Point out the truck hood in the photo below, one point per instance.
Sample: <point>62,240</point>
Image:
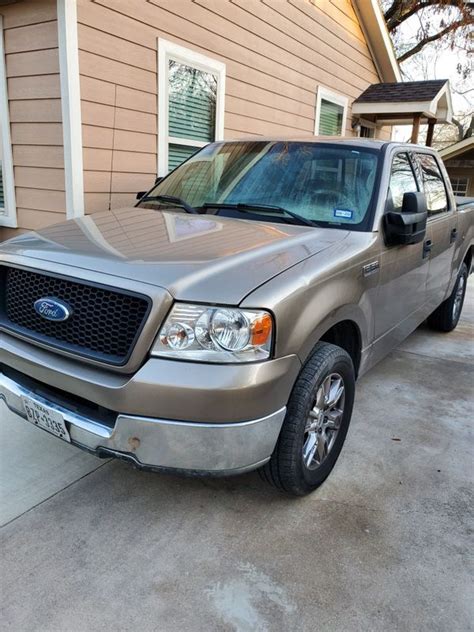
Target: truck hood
<point>196,258</point>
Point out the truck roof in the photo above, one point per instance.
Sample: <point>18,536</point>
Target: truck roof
<point>360,142</point>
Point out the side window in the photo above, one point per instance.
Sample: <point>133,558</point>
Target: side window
<point>402,180</point>
<point>433,184</point>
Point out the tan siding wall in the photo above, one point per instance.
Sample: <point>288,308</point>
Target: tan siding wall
<point>276,53</point>
<point>32,62</point>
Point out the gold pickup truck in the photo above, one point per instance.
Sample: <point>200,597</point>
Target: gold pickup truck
<point>219,325</point>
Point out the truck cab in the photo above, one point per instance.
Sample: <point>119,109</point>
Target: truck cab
<point>219,326</point>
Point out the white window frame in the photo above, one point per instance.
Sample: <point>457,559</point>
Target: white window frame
<point>170,51</point>
<point>454,184</point>
<point>8,215</point>
<point>333,97</point>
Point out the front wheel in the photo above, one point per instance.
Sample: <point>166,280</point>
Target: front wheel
<point>316,423</point>
<point>446,316</point>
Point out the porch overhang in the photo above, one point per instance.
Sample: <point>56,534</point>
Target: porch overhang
<point>406,103</point>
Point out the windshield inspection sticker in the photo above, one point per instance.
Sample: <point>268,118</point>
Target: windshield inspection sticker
<point>343,212</point>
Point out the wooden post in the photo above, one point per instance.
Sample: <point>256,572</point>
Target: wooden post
<point>429,135</point>
<point>416,128</point>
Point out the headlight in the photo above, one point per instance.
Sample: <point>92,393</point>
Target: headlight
<point>215,334</point>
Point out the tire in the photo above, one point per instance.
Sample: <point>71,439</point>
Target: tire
<point>446,316</point>
<point>289,469</point>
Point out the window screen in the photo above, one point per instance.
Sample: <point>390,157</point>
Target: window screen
<point>433,184</point>
<point>330,118</point>
<point>402,180</point>
<point>178,154</point>
<point>191,110</point>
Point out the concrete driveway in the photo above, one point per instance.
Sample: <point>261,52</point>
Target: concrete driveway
<point>384,544</point>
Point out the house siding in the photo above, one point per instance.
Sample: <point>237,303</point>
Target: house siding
<point>32,65</point>
<point>276,52</point>
<point>461,172</point>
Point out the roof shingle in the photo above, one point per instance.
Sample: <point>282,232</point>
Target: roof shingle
<point>399,92</point>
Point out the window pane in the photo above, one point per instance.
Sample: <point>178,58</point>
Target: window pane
<point>433,184</point>
<point>367,132</point>
<point>330,118</point>
<point>178,154</point>
<point>192,103</point>
<point>402,180</point>
<point>460,186</point>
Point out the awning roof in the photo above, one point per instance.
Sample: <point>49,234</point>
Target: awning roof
<point>397,103</point>
<point>460,148</point>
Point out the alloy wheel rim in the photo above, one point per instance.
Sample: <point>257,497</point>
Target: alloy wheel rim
<point>324,421</point>
<point>458,297</point>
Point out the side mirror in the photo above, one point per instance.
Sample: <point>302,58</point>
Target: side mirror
<point>409,225</point>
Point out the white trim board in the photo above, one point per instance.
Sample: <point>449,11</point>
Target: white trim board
<point>333,97</point>
<point>378,40</point>
<point>169,50</point>
<point>71,107</point>
<point>8,212</point>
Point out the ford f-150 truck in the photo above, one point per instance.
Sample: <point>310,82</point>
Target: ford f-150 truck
<point>220,324</point>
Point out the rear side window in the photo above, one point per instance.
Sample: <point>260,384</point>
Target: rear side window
<point>433,184</point>
<point>402,180</point>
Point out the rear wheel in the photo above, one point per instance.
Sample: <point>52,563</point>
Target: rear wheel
<point>446,316</point>
<point>316,423</point>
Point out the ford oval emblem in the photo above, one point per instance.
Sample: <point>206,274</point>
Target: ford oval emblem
<point>52,309</point>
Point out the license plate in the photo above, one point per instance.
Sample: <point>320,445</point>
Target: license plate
<point>44,417</point>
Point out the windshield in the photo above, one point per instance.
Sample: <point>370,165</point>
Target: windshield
<point>324,183</point>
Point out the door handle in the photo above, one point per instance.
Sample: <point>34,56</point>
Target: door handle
<point>454,235</point>
<point>427,246</point>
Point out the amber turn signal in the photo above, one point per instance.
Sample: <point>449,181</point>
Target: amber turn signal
<point>261,329</point>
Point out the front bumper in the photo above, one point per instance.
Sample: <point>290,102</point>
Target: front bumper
<point>161,444</point>
<point>164,388</point>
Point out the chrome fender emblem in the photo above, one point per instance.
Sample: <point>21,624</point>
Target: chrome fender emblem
<point>52,309</point>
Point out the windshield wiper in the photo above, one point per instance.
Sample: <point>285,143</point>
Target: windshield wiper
<point>247,207</point>
<point>171,199</point>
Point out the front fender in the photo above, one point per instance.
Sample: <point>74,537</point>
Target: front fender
<point>311,297</point>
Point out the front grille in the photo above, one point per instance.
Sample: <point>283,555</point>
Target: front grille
<point>104,325</point>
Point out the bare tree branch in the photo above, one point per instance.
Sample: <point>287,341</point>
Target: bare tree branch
<point>401,10</point>
<point>432,38</point>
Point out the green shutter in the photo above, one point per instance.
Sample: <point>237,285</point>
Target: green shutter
<point>2,196</point>
<point>330,118</point>
<point>178,154</point>
<point>192,103</point>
